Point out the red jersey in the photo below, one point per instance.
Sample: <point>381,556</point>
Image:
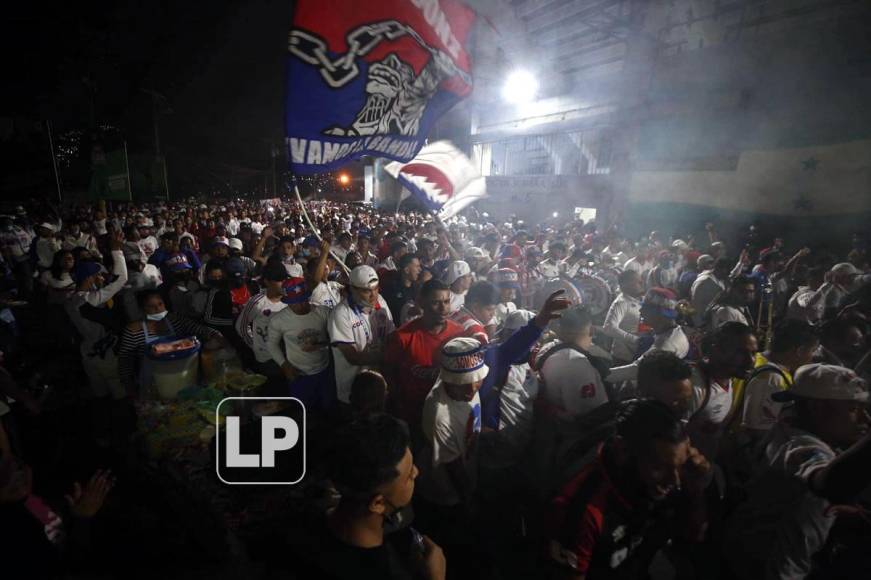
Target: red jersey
<point>412,355</point>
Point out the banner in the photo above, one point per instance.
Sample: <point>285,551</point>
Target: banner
<point>110,178</point>
<point>370,78</point>
<point>442,177</point>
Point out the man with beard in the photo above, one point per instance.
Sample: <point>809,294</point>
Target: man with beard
<point>729,354</point>
<point>413,351</point>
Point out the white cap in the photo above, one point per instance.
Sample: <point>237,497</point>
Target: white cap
<point>705,262</point>
<point>845,269</point>
<point>221,240</point>
<point>48,226</point>
<point>364,277</point>
<point>475,252</point>
<point>462,362</point>
<point>456,270</point>
<point>680,245</point>
<point>828,382</point>
<point>236,244</point>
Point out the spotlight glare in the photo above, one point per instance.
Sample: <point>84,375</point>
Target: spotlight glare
<point>520,87</point>
<point>344,179</point>
<point>556,214</point>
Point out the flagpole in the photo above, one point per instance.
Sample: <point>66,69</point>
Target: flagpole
<point>127,166</point>
<point>54,162</point>
<point>165,180</point>
<point>315,230</point>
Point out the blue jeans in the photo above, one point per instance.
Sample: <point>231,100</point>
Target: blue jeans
<point>317,392</point>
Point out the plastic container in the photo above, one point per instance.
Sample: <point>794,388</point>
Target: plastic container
<point>175,370</point>
<point>217,363</point>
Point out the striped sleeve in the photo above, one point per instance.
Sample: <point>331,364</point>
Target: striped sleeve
<point>187,327</point>
<point>132,343</point>
<point>219,309</point>
<point>245,320</point>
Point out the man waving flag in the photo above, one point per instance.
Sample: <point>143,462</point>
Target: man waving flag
<point>370,78</point>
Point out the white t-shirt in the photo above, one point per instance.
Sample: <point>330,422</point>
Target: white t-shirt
<point>636,265</point>
<point>457,301</point>
<point>451,430</point>
<point>305,339</point>
<point>293,269</point>
<point>503,309</point>
<point>673,340</point>
<point>704,290</point>
<point>621,324</point>
<point>783,524</point>
<point>361,328</point>
<point>45,251</point>
<point>760,412</point>
<point>516,400</point>
<point>551,269</point>
<point>706,426</point>
<point>720,315</point>
<point>571,382</point>
<point>252,324</point>
<point>327,294</point>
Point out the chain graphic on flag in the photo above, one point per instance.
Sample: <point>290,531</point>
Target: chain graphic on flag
<point>371,78</point>
<point>395,97</point>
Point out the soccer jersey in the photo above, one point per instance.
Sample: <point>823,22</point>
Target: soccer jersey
<point>451,430</point>
<point>361,327</point>
<point>412,356</point>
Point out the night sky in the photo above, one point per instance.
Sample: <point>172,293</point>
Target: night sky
<point>219,64</point>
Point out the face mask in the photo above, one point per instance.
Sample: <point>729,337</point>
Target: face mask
<point>157,317</point>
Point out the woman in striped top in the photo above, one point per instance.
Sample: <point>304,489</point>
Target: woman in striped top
<point>158,323</point>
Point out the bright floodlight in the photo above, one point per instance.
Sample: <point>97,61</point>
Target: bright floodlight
<point>520,87</point>
<point>344,179</point>
<point>556,214</point>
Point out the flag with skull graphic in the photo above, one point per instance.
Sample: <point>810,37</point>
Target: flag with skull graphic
<point>442,177</point>
<point>370,78</point>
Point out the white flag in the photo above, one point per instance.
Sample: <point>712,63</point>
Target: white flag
<point>442,177</point>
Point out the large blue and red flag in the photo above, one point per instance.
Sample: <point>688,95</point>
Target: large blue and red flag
<point>370,78</point>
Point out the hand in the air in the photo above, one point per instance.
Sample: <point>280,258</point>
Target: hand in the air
<point>85,503</point>
<point>555,303</point>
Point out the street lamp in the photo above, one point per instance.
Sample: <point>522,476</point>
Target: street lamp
<point>520,87</point>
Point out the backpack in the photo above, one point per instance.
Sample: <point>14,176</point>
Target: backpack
<point>740,392</point>
<point>571,441</point>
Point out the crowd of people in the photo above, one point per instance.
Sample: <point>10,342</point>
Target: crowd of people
<point>494,400</point>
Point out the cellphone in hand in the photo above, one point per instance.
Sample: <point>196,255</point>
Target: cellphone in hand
<point>417,540</point>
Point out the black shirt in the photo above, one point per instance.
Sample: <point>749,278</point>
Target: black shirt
<point>318,554</point>
<point>397,295</point>
<point>599,531</point>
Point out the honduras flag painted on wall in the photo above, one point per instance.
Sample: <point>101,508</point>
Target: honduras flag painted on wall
<point>370,78</point>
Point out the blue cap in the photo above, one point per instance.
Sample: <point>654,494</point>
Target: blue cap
<point>85,270</point>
